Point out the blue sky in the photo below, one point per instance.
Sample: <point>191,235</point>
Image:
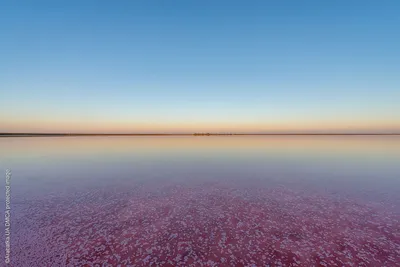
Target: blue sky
<point>145,65</point>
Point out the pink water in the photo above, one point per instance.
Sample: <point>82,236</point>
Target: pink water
<point>256,209</point>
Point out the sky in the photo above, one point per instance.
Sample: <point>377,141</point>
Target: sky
<point>200,66</point>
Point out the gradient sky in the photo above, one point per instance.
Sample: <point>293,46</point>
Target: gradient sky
<point>184,66</point>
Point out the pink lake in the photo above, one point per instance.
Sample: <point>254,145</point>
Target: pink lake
<point>203,201</point>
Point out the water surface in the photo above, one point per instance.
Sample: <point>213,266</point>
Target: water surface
<point>204,201</point>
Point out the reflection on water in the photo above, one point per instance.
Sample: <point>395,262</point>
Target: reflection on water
<point>204,201</point>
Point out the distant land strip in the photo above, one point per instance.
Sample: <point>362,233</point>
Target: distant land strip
<point>175,134</point>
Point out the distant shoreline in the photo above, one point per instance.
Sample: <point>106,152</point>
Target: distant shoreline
<point>193,134</point>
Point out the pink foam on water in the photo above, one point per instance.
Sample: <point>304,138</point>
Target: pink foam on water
<point>204,225</point>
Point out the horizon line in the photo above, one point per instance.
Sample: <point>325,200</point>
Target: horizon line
<point>4,134</point>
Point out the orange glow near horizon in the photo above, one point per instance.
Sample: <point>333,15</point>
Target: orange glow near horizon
<point>300,126</point>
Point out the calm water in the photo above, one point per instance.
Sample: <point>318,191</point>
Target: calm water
<point>203,201</point>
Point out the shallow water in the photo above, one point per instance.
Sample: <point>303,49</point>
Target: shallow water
<point>203,201</point>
